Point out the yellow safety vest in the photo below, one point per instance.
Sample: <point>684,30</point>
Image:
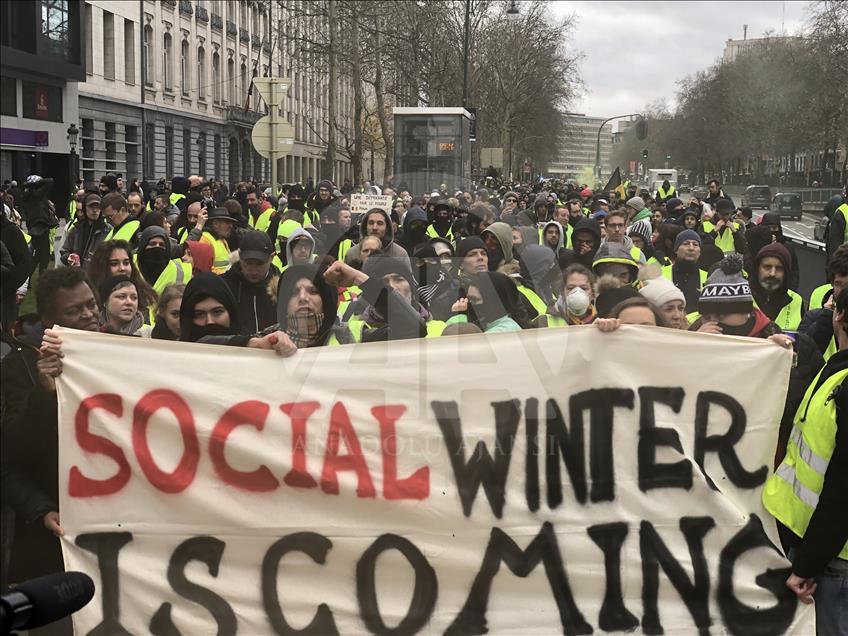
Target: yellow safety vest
<point>432,233</point>
<point>831,349</point>
<point>221,253</point>
<point>344,247</point>
<point>724,241</point>
<point>792,493</point>
<point>175,197</point>
<point>535,301</point>
<point>182,235</point>
<point>556,321</point>
<point>262,222</point>
<point>789,316</point>
<point>286,228</point>
<point>357,328</point>
<point>668,274</point>
<point>843,209</point>
<point>175,271</point>
<point>817,297</point>
<point>126,232</point>
<point>666,195</point>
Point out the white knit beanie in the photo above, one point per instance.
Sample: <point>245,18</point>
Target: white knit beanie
<point>659,291</point>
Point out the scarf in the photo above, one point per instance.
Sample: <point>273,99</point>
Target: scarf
<point>303,327</point>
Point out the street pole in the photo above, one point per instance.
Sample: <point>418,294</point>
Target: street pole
<point>274,108</point>
<point>598,146</point>
<point>465,47</point>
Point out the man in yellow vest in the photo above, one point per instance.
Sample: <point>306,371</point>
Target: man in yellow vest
<point>155,263</point>
<point>259,210</point>
<point>684,271</point>
<point>770,289</point>
<point>818,323</point>
<point>837,228</point>
<point>115,210</point>
<point>217,230</point>
<point>725,232</point>
<point>808,493</point>
<point>665,192</point>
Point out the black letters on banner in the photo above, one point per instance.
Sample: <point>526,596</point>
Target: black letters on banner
<point>501,548</point>
<point>207,550</point>
<point>614,616</point>
<point>654,552</point>
<point>601,404</point>
<point>106,546</point>
<point>423,596</point>
<point>480,467</point>
<point>569,442</point>
<point>742,619</point>
<point>315,546</point>
<point>531,464</point>
<point>723,444</point>
<point>652,474</point>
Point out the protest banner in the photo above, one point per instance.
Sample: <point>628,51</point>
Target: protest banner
<point>539,482</point>
<point>361,203</point>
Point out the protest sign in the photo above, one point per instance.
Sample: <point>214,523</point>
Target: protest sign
<point>538,482</point>
<point>361,203</point>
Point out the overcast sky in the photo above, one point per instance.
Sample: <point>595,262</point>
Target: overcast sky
<point>635,52</point>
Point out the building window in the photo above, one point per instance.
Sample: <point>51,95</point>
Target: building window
<point>201,154</point>
<point>129,52</point>
<point>111,147</point>
<point>217,156</point>
<point>231,81</point>
<point>169,151</point>
<point>243,17</point>
<point>56,29</point>
<point>87,155</point>
<point>255,21</point>
<point>42,101</point>
<point>9,96</point>
<point>149,151</point>
<point>201,74</point>
<point>131,138</point>
<point>147,51</point>
<point>216,78</point>
<point>89,48</point>
<point>186,151</point>
<point>243,83</point>
<point>185,72</point>
<point>166,62</point>
<point>108,45</point>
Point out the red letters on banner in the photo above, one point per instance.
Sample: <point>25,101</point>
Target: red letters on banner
<point>342,451</point>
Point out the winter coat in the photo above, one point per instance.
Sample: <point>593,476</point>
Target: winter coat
<point>82,239</point>
<point>13,239</point>
<point>256,309</point>
<point>390,248</point>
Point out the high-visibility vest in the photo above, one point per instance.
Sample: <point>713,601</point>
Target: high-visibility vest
<point>182,235</point>
<point>792,493</point>
<point>125,233</point>
<point>817,297</point>
<point>175,271</point>
<point>724,241</point>
<point>789,316</point>
<point>663,194</point>
<point>221,253</point>
<point>556,321</point>
<point>831,349</point>
<point>668,274</point>
<point>286,228</point>
<point>175,197</point>
<point>535,300</point>
<point>357,328</point>
<point>843,210</point>
<point>344,247</point>
<point>262,222</point>
<point>433,233</point>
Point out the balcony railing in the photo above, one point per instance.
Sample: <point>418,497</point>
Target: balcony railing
<point>217,21</point>
<point>231,29</point>
<point>201,15</point>
<point>169,3</point>
<point>186,8</point>
<point>244,36</point>
<point>239,115</point>
<point>255,41</point>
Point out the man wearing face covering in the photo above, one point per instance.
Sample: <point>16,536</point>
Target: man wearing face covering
<point>306,309</point>
<point>209,315</point>
<point>438,290</point>
<point>539,281</point>
<point>491,303</point>
<point>414,229</point>
<point>155,263</point>
<point>442,220</point>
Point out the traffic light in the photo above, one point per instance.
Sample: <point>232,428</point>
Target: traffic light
<point>645,153</point>
<point>641,129</point>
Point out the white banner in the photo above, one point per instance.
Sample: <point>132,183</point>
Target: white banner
<point>540,482</point>
<point>361,203</point>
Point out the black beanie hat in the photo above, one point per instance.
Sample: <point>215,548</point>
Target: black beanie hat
<point>109,285</point>
<point>468,244</point>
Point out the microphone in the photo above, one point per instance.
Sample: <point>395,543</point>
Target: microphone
<point>40,601</point>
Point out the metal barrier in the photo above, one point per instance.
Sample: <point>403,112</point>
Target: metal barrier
<point>812,260</point>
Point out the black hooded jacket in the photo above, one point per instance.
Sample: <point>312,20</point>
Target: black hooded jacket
<point>329,300</point>
<point>256,309</point>
<point>592,226</point>
<point>773,218</point>
<point>208,285</point>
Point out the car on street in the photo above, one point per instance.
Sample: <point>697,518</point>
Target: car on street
<point>757,196</point>
<point>685,189</point>
<point>700,192</point>
<point>787,204</point>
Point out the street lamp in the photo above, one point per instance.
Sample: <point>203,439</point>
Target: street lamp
<point>73,132</point>
<point>598,146</point>
<point>512,10</point>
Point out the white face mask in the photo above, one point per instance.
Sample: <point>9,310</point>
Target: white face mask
<point>577,301</point>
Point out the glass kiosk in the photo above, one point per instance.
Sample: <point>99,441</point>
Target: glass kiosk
<point>432,147</point>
